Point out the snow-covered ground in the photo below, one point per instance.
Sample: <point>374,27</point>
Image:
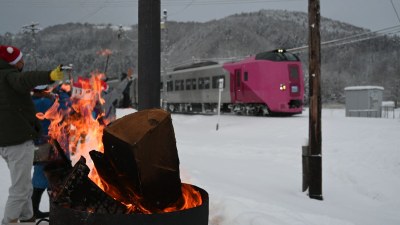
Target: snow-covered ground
<point>251,168</point>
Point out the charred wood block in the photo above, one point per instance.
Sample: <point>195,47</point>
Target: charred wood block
<point>142,150</point>
<point>109,177</point>
<point>58,169</point>
<point>80,193</point>
<point>56,172</point>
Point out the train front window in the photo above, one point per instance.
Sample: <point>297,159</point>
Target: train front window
<point>291,57</point>
<point>277,56</point>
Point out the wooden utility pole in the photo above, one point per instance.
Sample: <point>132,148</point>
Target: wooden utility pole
<point>315,157</point>
<point>149,54</point>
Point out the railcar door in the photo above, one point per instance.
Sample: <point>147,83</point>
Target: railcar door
<point>238,85</point>
<point>294,77</point>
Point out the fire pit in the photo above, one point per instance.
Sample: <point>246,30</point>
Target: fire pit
<point>60,215</point>
<point>134,181</point>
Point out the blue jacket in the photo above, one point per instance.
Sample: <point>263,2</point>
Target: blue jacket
<point>42,104</point>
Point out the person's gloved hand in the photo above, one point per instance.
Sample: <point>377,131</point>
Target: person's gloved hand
<point>56,74</point>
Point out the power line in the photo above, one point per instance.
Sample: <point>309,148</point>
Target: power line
<point>395,10</point>
<point>184,8</point>
<point>354,38</point>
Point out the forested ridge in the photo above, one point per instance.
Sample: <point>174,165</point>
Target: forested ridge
<point>374,61</point>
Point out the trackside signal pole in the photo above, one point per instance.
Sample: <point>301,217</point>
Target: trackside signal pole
<point>314,138</point>
<point>149,54</point>
<point>220,89</point>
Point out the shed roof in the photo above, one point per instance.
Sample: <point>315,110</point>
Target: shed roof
<point>356,88</point>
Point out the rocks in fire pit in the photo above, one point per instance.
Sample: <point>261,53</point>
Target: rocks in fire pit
<point>140,161</point>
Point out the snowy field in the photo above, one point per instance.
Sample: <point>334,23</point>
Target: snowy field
<point>251,168</point>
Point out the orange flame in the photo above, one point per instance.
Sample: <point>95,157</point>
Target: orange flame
<point>190,198</point>
<point>79,132</point>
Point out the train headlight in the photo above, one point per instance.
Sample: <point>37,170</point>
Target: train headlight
<point>282,87</point>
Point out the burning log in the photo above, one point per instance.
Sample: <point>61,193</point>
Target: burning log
<point>140,149</point>
<point>80,193</point>
<point>57,170</point>
<point>109,177</point>
<point>137,173</point>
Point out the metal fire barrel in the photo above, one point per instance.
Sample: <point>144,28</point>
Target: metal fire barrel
<point>60,215</point>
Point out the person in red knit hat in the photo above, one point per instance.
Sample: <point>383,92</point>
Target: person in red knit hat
<point>18,128</point>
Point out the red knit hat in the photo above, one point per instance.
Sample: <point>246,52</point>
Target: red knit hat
<point>10,54</point>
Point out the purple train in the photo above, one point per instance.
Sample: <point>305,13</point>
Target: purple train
<point>269,83</point>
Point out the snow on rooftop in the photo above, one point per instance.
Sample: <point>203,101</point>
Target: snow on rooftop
<point>356,88</point>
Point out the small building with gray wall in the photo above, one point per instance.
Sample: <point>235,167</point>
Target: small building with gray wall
<point>364,101</point>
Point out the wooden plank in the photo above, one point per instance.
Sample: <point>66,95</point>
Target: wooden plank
<point>142,150</point>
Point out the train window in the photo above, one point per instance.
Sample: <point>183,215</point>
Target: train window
<point>194,84</point>
<point>201,83</point>
<point>246,76</point>
<point>170,85</point>
<point>293,72</point>
<point>215,81</point>
<point>188,84</point>
<point>206,83</point>
<point>179,86</point>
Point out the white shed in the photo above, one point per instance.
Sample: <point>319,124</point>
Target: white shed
<point>364,101</point>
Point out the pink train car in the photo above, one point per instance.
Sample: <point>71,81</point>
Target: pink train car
<point>269,83</point>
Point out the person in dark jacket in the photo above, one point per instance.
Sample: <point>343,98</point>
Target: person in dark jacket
<point>111,97</point>
<point>18,128</point>
<point>126,101</point>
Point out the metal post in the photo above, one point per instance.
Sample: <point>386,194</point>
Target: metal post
<point>106,66</point>
<point>221,88</point>
<point>164,58</point>
<point>149,54</point>
<point>164,27</point>
<point>315,159</point>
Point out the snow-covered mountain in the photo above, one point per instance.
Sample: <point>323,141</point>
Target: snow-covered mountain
<point>373,61</point>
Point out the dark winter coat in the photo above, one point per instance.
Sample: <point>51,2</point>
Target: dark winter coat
<point>18,122</point>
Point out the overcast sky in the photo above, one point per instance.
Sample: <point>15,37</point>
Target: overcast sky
<point>371,14</point>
